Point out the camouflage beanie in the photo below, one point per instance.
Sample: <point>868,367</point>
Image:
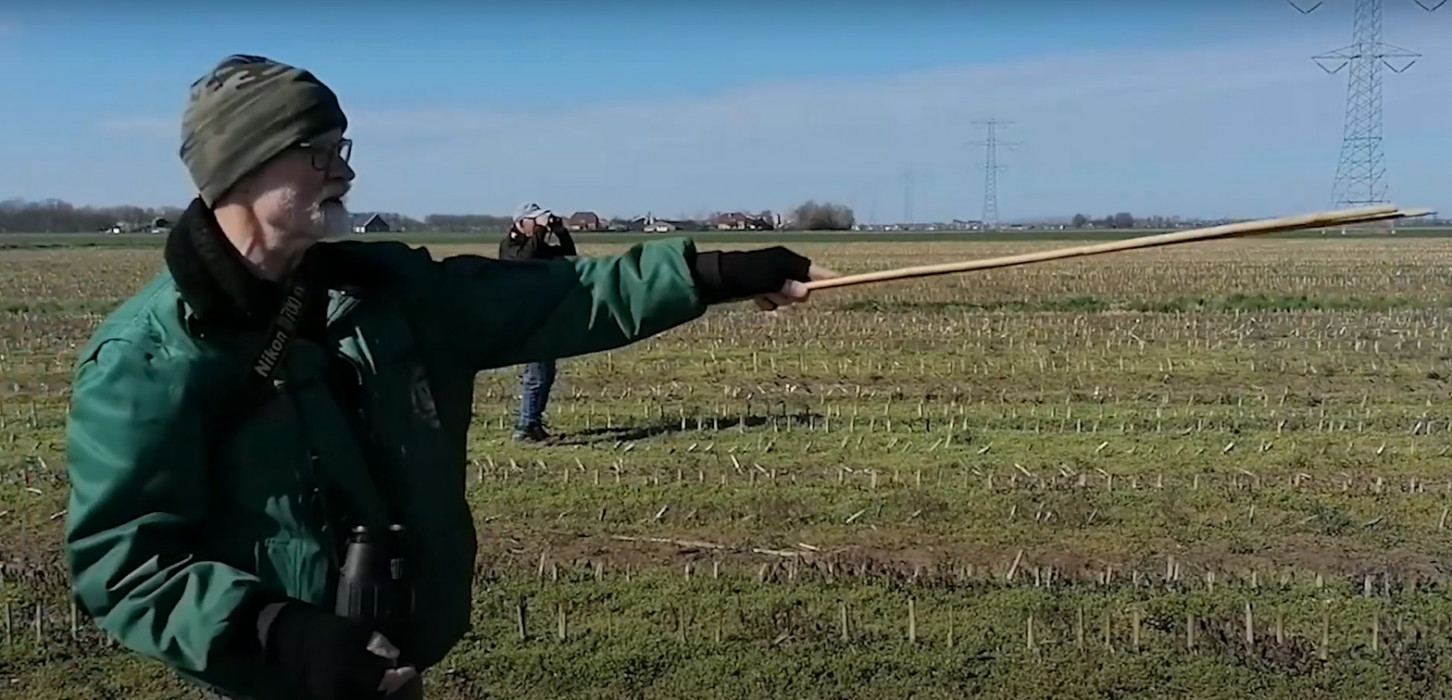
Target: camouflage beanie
<point>244,112</point>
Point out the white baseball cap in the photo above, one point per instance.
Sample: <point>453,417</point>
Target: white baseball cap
<point>530,210</point>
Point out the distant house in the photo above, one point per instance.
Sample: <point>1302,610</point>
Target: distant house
<point>584,221</point>
<point>370,223</point>
<point>741,221</point>
<point>650,224</point>
<point>733,221</point>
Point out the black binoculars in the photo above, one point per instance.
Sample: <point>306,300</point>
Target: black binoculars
<point>375,587</point>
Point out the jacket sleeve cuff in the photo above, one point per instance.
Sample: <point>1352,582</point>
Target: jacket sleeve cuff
<point>254,620</point>
<point>706,272</point>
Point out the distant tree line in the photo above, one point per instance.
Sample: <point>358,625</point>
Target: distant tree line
<point>59,216</point>
<point>823,216</point>
<point>1126,220</point>
<point>1121,219</point>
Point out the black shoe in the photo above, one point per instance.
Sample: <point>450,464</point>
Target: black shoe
<point>534,433</point>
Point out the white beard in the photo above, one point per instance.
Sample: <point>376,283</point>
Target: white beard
<point>329,219</point>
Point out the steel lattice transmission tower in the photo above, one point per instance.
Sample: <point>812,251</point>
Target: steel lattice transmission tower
<point>991,169</point>
<point>1361,169</point>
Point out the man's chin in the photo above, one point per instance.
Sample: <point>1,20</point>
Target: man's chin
<point>336,221</point>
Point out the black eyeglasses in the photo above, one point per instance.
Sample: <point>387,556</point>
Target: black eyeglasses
<point>324,153</point>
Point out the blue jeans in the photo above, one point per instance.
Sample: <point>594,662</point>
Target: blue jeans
<point>539,378</point>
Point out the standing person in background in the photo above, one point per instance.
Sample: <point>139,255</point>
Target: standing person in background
<point>528,239</point>
<point>529,236</point>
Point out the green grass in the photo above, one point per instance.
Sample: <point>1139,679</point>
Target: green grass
<point>1123,454</point>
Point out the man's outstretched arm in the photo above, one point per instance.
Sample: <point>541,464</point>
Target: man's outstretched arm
<point>497,314</point>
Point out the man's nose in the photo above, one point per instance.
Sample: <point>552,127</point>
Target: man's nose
<point>343,170</point>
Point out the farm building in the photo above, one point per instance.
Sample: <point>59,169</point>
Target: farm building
<point>650,224</point>
<point>740,221</point>
<point>370,223</point>
<point>584,221</point>
<point>155,225</point>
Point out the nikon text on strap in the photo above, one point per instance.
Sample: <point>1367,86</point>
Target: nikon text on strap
<point>280,334</point>
<point>264,370</point>
<point>252,386</point>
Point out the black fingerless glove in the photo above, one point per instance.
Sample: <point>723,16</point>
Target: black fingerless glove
<point>324,653</point>
<point>723,276</point>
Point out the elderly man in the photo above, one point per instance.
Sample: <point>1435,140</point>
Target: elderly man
<point>270,404</point>
<point>528,239</point>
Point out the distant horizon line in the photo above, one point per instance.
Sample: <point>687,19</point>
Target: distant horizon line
<point>1046,219</point>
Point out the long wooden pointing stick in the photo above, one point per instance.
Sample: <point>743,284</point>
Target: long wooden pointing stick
<point>1326,219</point>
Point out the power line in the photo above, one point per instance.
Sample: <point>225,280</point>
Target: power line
<point>1361,168</point>
<point>991,169</point>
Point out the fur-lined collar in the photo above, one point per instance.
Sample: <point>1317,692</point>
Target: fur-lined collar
<point>218,286</point>
<point>212,276</point>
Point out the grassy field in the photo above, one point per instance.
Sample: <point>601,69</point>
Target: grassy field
<point>1210,471</point>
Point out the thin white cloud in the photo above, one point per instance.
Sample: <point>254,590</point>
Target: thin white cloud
<point>1040,83</point>
<point>1046,83</point>
<point>1095,123</point>
<point>1233,129</point>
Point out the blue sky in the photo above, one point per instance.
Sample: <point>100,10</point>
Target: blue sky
<point>1192,107</point>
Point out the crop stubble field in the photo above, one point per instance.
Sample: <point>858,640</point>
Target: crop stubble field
<point>1215,470</point>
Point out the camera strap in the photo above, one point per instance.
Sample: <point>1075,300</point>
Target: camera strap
<point>264,370</point>
<point>251,388</point>
<point>280,334</point>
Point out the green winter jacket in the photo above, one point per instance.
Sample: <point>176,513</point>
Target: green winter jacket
<point>166,549</point>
